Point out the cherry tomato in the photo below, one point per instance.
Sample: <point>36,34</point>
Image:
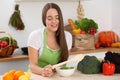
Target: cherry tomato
<point>82,32</point>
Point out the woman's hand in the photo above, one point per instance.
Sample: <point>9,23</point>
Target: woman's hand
<point>47,71</point>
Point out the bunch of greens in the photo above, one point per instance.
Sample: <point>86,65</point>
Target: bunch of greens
<point>66,67</point>
<point>85,24</point>
<point>15,20</point>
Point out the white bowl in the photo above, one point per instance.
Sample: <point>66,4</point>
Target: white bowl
<point>65,72</point>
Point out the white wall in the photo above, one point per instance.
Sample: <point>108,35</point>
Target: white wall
<point>99,10</point>
<point>116,16</point>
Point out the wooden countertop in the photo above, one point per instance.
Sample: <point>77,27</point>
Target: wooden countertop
<point>76,76</point>
<point>74,51</point>
<point>14,57</point>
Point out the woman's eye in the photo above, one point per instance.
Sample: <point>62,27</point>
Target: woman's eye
<point>49,19</point>
<point>57,18</point>
<point>53,19</point>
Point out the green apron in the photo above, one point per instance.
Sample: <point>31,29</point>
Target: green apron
<point>48,56</point>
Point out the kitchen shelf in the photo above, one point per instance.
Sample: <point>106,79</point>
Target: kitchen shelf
<point>95,50</point>
<point>74,51</point>
<point>15,57</point>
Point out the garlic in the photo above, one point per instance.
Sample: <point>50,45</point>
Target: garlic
<point>80,11</point>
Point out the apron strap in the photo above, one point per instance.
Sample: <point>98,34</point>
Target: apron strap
<point>45,37</point>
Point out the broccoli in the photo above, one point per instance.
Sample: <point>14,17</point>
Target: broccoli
<point>89,65</point>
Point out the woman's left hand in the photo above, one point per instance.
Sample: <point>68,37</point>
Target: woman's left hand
<point>48,71</point>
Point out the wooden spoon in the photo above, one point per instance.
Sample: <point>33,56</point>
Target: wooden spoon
<point>76,58</point>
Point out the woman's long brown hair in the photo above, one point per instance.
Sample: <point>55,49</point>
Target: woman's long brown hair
<point>60,35</point>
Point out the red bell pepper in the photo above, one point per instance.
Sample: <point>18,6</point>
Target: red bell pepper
<point>108,68</point>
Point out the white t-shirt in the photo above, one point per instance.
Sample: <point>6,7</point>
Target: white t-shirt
<point>36,40</point>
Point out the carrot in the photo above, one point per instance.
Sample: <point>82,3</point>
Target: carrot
<point>71,23</point>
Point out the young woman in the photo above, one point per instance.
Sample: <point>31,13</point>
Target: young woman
<point>50,44</point>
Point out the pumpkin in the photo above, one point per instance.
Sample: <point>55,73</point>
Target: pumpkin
<point>107,37</point>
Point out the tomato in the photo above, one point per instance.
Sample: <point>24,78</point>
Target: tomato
<point>82,32</point>
<point>108,44</point>
<point>92,31</point>
<point>103,45</point>
<point>108,68</point>
<point>1,45</point>
<point>5,43</point>
<point>97,45</point>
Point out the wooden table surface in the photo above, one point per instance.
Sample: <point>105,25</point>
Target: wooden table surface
<point>76,76</point>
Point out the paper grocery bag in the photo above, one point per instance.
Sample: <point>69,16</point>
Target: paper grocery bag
<point>84,41</point>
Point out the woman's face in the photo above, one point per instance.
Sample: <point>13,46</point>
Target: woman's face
<point>52,20</point>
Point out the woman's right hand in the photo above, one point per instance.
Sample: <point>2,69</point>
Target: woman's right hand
<point>47,71</point>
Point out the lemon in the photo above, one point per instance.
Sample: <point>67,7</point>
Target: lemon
<point>27,74</point>
<point>23,77</point>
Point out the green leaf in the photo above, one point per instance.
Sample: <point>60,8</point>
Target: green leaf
<point>85,24</point>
